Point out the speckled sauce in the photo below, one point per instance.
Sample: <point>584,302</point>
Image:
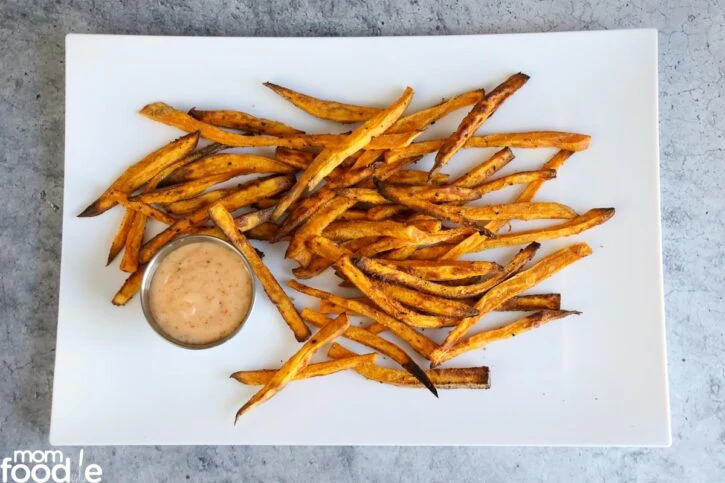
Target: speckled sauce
<point>200,293</point>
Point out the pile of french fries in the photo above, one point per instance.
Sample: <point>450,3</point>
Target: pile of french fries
<point>353,203</point>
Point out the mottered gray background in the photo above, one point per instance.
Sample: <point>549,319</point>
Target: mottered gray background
<point>692,126</point>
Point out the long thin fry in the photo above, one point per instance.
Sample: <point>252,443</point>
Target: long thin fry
<point>294,157</point>
<point>224,220</point>
<point>129,262</point>
<point>516,211</point>
<point>323,109</point>
<point>515,178</point>
<point>435,270</point>
<point>262,376</point>
<point>119,240</point>
<point>244,122</point>
<point>296,363</point>
<point>229,164</point>
<point>160,178</point>
<point>484,170</point>
<point>184,207</point>
<point>183,191</point>
<point>304,210</point>
<point>428,303</point>
<point>147,210</point>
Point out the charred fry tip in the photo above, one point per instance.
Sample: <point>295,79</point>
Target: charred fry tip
<point>420,374</point>
<point>92,210</point>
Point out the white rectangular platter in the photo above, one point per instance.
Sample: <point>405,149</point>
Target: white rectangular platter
<point>596,379</point>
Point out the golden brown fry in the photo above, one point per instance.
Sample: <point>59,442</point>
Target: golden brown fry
<point>384,244</point>
<point>556,162</point>
<point>486,169</point>
<point>262,376</point>
<point>428,303</point>
<point>419,342</point>
<point>384,212</point>
<point>516,178</point>
<point>130,287</point>
<point>434,270</point>
<point>513,329</point>
<point>160,177</point>
<point>377,294</point>
<point>244,122</point>
<point>399,196</point>
<point>516,211</point>
<point>224,220</point>
<point>346,230</point>
<point>448,378</point>
<point>147,210</point>
<point>366,159</point>
<point>381,345</point>
<point>476,117</point>
<point>352,215</point>
<point>296,363</point>
<point>314,226</point>
<point>323,109</point>
<point>230,165</point>
<point>129,262</point>
<point>464,246</point>
<point>246,195</point>
<point>432,252</point>
<point>421,119</point>
<point>534,139</point>
<point>431,225</point>
<point>179,192</point>
<point>411,177</point>
<point>265,232</point>
<point>138,174</point>
<point>294,157</point>
<point>119,240</point>
<point>304,210</point>
<point>438,194</point>
<point>184,207</point>
<point>571,227</point>
<point>525,303</point>
<point>320,263</point>
<point>329,159</point>
<point>520,282</point>
<point>165,114</point>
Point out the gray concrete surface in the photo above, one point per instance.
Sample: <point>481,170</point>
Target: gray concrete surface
<point>692,109</point>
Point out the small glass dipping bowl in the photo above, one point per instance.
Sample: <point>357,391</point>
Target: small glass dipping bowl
<point>154,264</point>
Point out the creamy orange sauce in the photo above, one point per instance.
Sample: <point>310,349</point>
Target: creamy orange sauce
<point>200,293</point>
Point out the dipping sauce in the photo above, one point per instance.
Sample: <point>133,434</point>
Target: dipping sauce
<point>200,293</point>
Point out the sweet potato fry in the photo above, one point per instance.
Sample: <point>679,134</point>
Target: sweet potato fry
<point>184,207</point>
<point>243,122</point>
<point>431,225</point>
<point>513,329</point>
<point>224,220</point>
<point>461,248</point>
<point>160,178</point>
<point>147,210</point>
<point>431,252</point>
<point>444,270</point>
<point>516,211</point>
<point>229,164</point>
<point>399,196</point>
<point>525,303</point>
<point>571,227</point>
<point>448,378</point>
<point>320,262</point>
<point>294,157</point>
<point>265,232</point>
<point>485,170</point>
<point>385,212</point>
<point>244,196</point>
<point>384,244</point>
<point>374,342</point>
<point>329,159</point>
<point>411,177</point>
<point>483,109</point>
<point>556,162</point>
<point>323,109</point>
<point>520,282</point>
<point>438,194</point>
<point>521,177</point>
<point>532,140</point>
<point>296,363</point>
<point>183,191</point>
<point>346,230</point>
<point>304,210</point>
<point>119,240</point>
<point>421,119</point>
<point>129,262</point>
<point>419,342</point>
<point>428,303</point>
<point>352,215</point>
<point>130,287</point>
<point>262,376</point>
<point>138,174</point>
<point>401,253</point>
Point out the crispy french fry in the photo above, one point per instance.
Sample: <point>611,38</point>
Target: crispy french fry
<point>421,119</point>
<point>182,191</point>
<point>461,248</point>
<point>402,253</point>
<point>323,109</point>
<point>246,195</point>
<point>129,262</point>
<point>160,177</point>
<point>346,230</point>
<point>262,376</point>
<point>366,159</point>
<point>448,378</point>
<point>119,240</point>
<point>516,211</point>
<point>352,215</point>
<point>483,109</point>
<point>430,225</point>
<point>147,210</point>
<point>521,177</point>
<point>381,345</point>
<point>224,220</point>
<point>419,342</point>
<point>531,140</point>
<point>434,252</point>
<point>184,207</point>
<point>520,282</point>
<point>265,232</point>
<point>399,196</point>
<point>428,303</point>
<point>243,122</point>
<point>520,326</point>
<point>229,164</point>
<point>304,210</point>
<point>130,287</point>
<point>412,177</point>
<point>324,257</point>
<point>361,176</point>
<point>329,159</point>
<point>556,162</point>
<point>385,212</point>
<point>438,194</point>
<point>486,169</point>
<point>296,363</point>
<point>583,222</point>
<point>138,174</point>
<point>294,157</point>
<point>435,270</point>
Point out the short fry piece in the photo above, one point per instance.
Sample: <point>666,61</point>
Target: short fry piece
<point>244,122</point>
<point>129,262</point>
<point>331,110</point>
<point>525,303</point>
<point>224,220</point>
<point>262,376</point>
<point>130,287</point>
<point>296,363</point>
<point>449,378</point>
